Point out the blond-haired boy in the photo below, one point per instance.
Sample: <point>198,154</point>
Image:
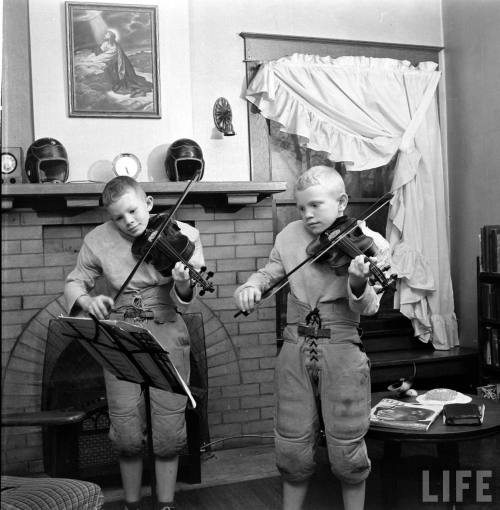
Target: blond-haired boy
<point>322,366</point>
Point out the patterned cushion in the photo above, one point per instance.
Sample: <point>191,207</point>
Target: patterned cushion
<point>20,493</point>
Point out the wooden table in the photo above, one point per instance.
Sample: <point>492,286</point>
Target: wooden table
<point>446,438</point>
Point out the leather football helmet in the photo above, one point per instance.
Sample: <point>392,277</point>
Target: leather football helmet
<point>184,161</point>
<point>46,161</point>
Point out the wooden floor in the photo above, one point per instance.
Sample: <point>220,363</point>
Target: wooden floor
<point>254,492</point>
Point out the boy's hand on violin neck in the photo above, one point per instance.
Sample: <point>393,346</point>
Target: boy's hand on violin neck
<point>247,298</point>
<point>182,280</point>
<point>99,306</point>
<point>180,273</point>
<point>359,272</point>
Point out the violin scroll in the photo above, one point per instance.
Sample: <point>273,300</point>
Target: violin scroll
<point>210,286</point>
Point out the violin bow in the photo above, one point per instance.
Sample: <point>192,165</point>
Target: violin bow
<point>157,236</point>
<point>274,289</point>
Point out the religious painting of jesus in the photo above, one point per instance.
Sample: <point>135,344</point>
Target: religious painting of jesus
<point>113,62</point>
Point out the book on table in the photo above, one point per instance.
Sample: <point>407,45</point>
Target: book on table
<point>394,413</point>
<point>463,414</point>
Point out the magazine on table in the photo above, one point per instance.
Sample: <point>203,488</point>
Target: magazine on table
<point>404,415</point>
<point>127,350</point>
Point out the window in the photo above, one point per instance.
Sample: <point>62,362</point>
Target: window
<point>279,156</point>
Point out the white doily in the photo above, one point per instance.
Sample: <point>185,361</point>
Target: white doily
<point>460,398</point>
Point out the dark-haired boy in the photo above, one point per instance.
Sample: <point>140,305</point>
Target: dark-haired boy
<point>158,302</point>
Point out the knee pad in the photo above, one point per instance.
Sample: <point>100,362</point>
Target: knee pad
<point>170,436</point>
<point>127,440</point>
<point>349,462</point>
<point>295,458</point>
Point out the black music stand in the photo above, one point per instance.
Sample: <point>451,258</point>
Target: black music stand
<point>132,354</point>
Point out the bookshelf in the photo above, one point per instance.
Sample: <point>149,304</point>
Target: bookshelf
<point>488,313</point>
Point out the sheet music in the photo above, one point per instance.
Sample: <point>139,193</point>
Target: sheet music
<point>103,349</point>
<point>126,350</point>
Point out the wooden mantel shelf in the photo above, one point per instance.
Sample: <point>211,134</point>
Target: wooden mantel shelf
<point>232,194</point>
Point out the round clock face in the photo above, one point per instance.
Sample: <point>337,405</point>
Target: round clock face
<point>9,163</point>
<point>127,164</point>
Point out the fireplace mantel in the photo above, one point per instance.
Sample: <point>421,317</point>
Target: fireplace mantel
<point>86,195</point>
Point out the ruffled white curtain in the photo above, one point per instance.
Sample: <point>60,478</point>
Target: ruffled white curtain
<point>362,111</point>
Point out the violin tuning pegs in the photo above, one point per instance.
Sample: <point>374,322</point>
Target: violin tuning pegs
<point>210,274</point>
<point>203,269</point>
<point>202,293</point>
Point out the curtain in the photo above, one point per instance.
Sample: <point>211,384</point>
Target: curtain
<point>363,111</point>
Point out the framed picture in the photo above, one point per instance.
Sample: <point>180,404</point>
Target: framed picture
<point>112,60</point>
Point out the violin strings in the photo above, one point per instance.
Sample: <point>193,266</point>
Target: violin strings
<point>275,288</point>
<point>193,273</point>
<point>172,211</point>
<point>373,267</point>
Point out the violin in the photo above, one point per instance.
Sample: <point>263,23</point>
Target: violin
<point>354,243</point>
<point>171,247</point>
<point>334,238</point>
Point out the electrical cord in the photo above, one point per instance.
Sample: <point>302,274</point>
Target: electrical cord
<point>207,445</point>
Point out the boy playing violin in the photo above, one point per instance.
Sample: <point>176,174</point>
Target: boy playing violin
<point>157,302</point>
<point>322,368</point>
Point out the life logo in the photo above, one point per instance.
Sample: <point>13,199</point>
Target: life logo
<point>452,486</point>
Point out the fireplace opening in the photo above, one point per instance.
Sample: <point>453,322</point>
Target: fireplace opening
<point>73,380</point>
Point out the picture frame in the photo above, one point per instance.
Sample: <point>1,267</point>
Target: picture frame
<point>112,60</point>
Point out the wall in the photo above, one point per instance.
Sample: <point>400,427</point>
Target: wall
<point>217,49</point>
<point>201,59</point>
<point>16,76</point>
<point>472,77</point>
<point>88,140</point>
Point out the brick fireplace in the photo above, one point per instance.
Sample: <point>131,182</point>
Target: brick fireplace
<point>38,251</point>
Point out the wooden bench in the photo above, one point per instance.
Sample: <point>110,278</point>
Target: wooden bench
<point>392,350</point>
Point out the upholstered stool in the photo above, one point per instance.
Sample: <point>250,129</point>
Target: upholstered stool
<point>23,493</point>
